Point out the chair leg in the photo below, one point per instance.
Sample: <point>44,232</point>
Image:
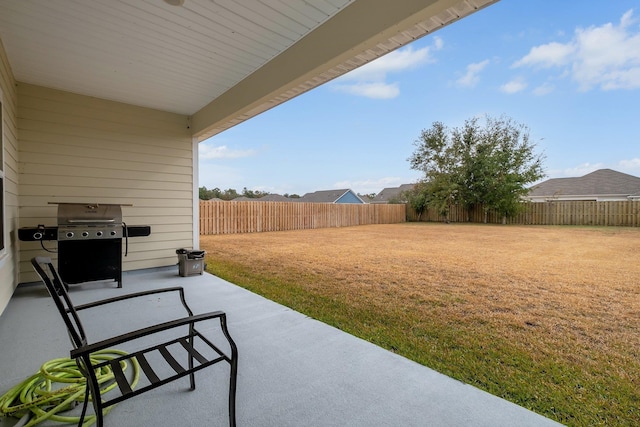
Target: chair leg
<point>192,377</point>
<point>84,405</point>
<point>233,374</point>
<point>232,388</point>
<point>97,407</point>
<point>94,387</point>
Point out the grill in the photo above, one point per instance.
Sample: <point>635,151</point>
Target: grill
<point>90,238</point>
<point>90,242</point>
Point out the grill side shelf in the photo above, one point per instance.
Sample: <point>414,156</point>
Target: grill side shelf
<point>138,230</point>
<point>33,234</point>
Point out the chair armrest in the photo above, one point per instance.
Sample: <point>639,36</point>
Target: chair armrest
<point>139,333</point>
<point>136,295</point>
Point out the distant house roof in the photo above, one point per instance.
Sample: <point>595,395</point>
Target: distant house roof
<point>367,198</point>
<point>331,196</point>
<point>243,199</point>
<point>392,193</point>
<point>274,198</point>
<point>600,185</point>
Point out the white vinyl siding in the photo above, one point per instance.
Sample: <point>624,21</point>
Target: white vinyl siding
<point>9,166</point>
<point>75,148</point>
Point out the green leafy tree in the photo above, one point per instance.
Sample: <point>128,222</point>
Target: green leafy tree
<point>418,198</point>
<point>205,194</point>
<point>229,194</point>
<point>439,156</point>
<point>488,164</point>
<point>253,194</point>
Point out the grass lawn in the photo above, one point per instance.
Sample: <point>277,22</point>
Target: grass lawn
<point>546,317</point>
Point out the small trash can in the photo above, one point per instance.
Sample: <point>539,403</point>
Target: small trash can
<point>190,262</point>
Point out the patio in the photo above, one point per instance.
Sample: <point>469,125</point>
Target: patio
<point>293,370</point>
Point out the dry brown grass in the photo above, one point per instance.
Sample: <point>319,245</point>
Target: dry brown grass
<point>562,296</point>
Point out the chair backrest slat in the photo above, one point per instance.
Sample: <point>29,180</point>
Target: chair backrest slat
<point>58,292</point>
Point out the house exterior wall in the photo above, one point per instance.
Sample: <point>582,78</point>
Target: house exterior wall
<point>349,197</point>
<point>9,259</point>
<point>76,148</point>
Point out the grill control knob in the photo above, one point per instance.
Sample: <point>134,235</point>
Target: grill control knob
<point>99,234</point>
<point>69,234</point>
<point>85,234</point>
<point>113,232</point>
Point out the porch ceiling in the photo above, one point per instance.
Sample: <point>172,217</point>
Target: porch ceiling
<point>218,61</point>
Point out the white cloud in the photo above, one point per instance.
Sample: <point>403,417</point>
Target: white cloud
<point>208,151</point>
<point>631,166</point>
<point>471,78</point>
<point>543,89</point>
<point>370,80</point>
<point>514,86</point>
<point>438,43</point>
<point>581,170</point>
<point>375,90</point>
<point>606,56</point>
<point>547,56</point>
<point>398,60</point>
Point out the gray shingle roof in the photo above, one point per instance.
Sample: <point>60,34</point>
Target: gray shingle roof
<point>600,182</point>
<point>391,193</point>
<point>274,198</point>
<point>326,196</point>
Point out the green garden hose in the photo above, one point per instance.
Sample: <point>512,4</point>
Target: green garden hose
<point>58,387</point>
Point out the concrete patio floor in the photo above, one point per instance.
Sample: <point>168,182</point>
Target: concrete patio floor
<point>293,370</point>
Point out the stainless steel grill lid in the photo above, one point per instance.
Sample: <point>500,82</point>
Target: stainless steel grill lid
<point>88,221</point>
<point>70,214</point>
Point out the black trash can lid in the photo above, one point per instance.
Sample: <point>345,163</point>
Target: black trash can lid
<point>196,254</point>
<point>191,254</point>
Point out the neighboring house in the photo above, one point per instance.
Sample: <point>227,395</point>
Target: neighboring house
<point>393,194</point>
<point>601,185</point>
<point>331,196</point>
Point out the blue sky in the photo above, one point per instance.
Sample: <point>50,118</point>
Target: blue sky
<point>569,70</point>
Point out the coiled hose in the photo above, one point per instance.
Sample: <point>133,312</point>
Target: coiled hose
<point>42,397</point>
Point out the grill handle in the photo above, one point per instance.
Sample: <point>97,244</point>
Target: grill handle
<point>90,221</point>
<point>126,238</point>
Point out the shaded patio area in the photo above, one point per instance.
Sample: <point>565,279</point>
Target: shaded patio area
<point>293,370</point>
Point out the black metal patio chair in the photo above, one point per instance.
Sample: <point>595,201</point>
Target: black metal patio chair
<point>197,351</point>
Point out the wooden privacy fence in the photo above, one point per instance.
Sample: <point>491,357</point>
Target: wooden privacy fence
<point>622,213</point>
<point>226,217</point>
